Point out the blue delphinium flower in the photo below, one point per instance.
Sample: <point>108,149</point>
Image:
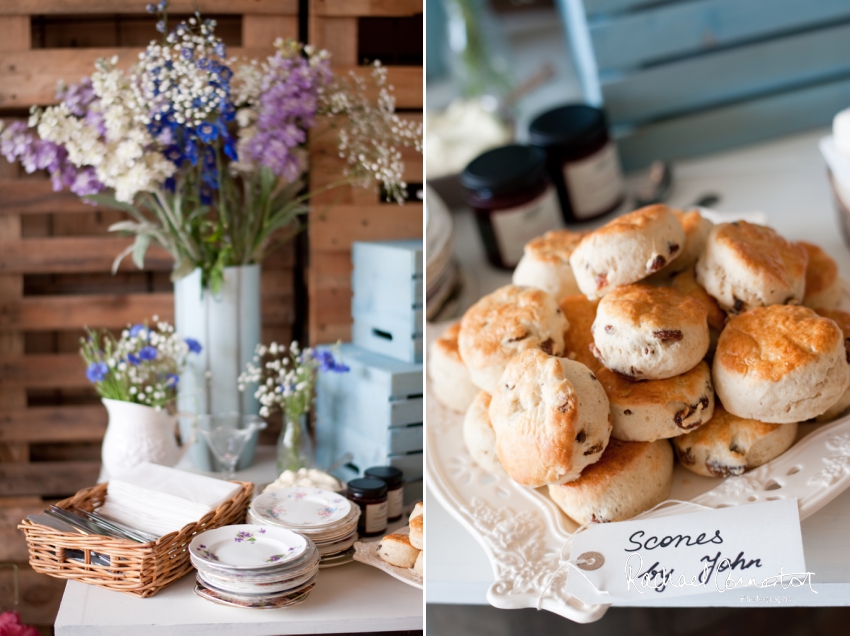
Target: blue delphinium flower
<point>150,8</point>
<point>148,353</point>
<point>194,345</point>
<point>207,132</point>
<point>96,371</point>
<point>137,330</point>
<point>172,380</point>
<point>133,359</point>
<point>160,26</point>
<point>162,4</point>
<point>328,364</point>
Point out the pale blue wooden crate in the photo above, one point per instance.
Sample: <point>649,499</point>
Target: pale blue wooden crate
<point>390,335</point>
<point>366,452</point>
<point>386,277</point>
<point>660,67</point>
<point>397,378</point>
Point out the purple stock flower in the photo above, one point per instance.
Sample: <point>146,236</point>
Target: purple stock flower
<point>97,371</point>
<point>148,353</point>
<point>78,97</point>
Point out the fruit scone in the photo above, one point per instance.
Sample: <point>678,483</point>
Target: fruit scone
<point>697,228</point>
<point>479,436</point>
<point>449,375</point>
<point>842,319</point>
<point>580,312</point>
<point>545,263</point>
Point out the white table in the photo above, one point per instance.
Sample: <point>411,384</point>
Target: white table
<point>785,179</point>
<point>349,598</point>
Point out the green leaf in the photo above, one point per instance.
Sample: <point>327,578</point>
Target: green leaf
<point>111,202</point>
<point>140,246</point>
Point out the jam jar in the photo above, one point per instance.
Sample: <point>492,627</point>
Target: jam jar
<point>394,479</point>
<point>581,159</point>
<point>371,496</point>
<point>513,200</point>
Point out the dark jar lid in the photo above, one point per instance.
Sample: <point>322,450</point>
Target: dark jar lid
<point>392,476</point>
<point>505,170</point>
<point>575,125</point>
<point>367,487</point>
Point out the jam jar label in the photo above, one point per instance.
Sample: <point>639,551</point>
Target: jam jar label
<point>514,227</point>
<point>395,502</point>
<point>376,517</point>
<point>595,183</point>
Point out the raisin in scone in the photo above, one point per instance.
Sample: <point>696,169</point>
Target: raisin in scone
<point>626,250</point>
<point>746,265</point>
<point>580,313</point>
<point>630,478</point>
<point>731,445</point>
<point>780,364</point>
<point>650,333</point>
<point>842,319</point>
<point>551,418</point>
<point>823,285</point>
<point>545,263</point>
<point>449,375</point>
<point>479,436</point>
<point>658,409</point>
<point>697,228</point>
<point>509,321</point>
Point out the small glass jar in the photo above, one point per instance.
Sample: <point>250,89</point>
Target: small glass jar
<point>394,479</point>
<point>581,159</point>
<point>513,201</point>
<point>371,496</point>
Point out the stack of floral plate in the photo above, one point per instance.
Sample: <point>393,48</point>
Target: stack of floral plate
<point>254,566</point>
<point>327,518</point>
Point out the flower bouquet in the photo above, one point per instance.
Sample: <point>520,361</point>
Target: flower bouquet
<point>137,376</point>
<point>286,380</point>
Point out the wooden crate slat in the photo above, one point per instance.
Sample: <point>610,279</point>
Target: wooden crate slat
<point>263,30</point>
<point>371,8</point>
<point>54,478</point>
<point>15,33</point>
<point>730,126</point>
<point>36,196</point>
<point>53,424</point>
<point>43,313</point>
<point>76,254</point>
<point>724,76</point>
<point>30,77</point>
<point>44,371</point>
<point>633,39</point>
<point>34,7</point>
<point>407,81</point>
<point>594,7</point>
<point>335,228</point>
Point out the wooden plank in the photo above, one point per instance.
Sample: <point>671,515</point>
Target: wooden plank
<point>32,7</point>
<point>371,8</point>
<point>594,7</point>
<point>37,313</point>
<point>39,595</point>
<point>15,33</point>
<point>633,39</point>
<point>735,125</point>
<point>47,371</point>
<point>334,229</point>
<point>75,254</point>
<point>725,76</point>
<point>53,424</point>
<point>30,77</point>
<point>407,81</point>
<point>36,196</point>
<point>338,36</point>
<point>47,478</point>
<point>13,544</point>
<point>263,30</point>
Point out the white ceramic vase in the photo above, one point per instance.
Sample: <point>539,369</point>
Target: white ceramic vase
<point>137,433</point>
<point>227,325</point>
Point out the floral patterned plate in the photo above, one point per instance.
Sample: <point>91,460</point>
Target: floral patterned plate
<point>301,507</point>
<point>247,546</point>
<point>286,600</point>
<point>286,571</point>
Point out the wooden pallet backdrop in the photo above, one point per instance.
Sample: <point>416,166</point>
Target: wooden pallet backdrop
<point>356,32</point>
<point>55,259</point>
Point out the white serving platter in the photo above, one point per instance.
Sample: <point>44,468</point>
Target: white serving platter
<point>523,532</point>
<point>367,552</point>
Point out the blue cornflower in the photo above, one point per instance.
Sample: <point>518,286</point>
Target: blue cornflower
<point>192,152</point>
<point>137,330</point>
<point>148,353</point>
<point>97,371</point>
<point>187,53</point>
<point>172,380</point>
<point>174,155</point>
<point>220,49</point>
<point>327,362</point>
<point>160,26</point>
<point>162,4</point>
<point>204,63</point>
<point>209,158</point>
<point>230,149</point>
<point>194,345</point>
<point>133,359</point>
<point>150,8</point>
<point>207,131</point>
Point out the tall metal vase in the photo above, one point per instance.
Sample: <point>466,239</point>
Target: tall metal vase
<point>227,325</point>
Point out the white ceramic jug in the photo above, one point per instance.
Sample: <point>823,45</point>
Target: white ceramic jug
<point>137,433</point>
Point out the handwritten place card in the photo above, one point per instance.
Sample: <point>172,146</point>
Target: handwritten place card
<point>722,551</point>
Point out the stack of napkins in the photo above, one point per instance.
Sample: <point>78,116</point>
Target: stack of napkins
<point>159,500</point>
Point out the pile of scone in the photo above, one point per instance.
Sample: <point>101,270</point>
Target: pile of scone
<point>407,550</point>
<point>658,326</point>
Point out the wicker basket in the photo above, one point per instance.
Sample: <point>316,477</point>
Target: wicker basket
<point>135,568</point>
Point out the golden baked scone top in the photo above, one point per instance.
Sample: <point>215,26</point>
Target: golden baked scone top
<point>511,318</point>
<point>554,246</point>
<point>580,312</point>
<point>724,428</point>
<point>821,270</point>
<point>770,342</point>
<point>690,221</point>
<point>447,342</point>
<point>762,248</point>
<point>615,460</point>
<point>686,283</point>
<point>654,307</point>
<point>680,388</point>
<point>637,220</point>
<point>841,318</point>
